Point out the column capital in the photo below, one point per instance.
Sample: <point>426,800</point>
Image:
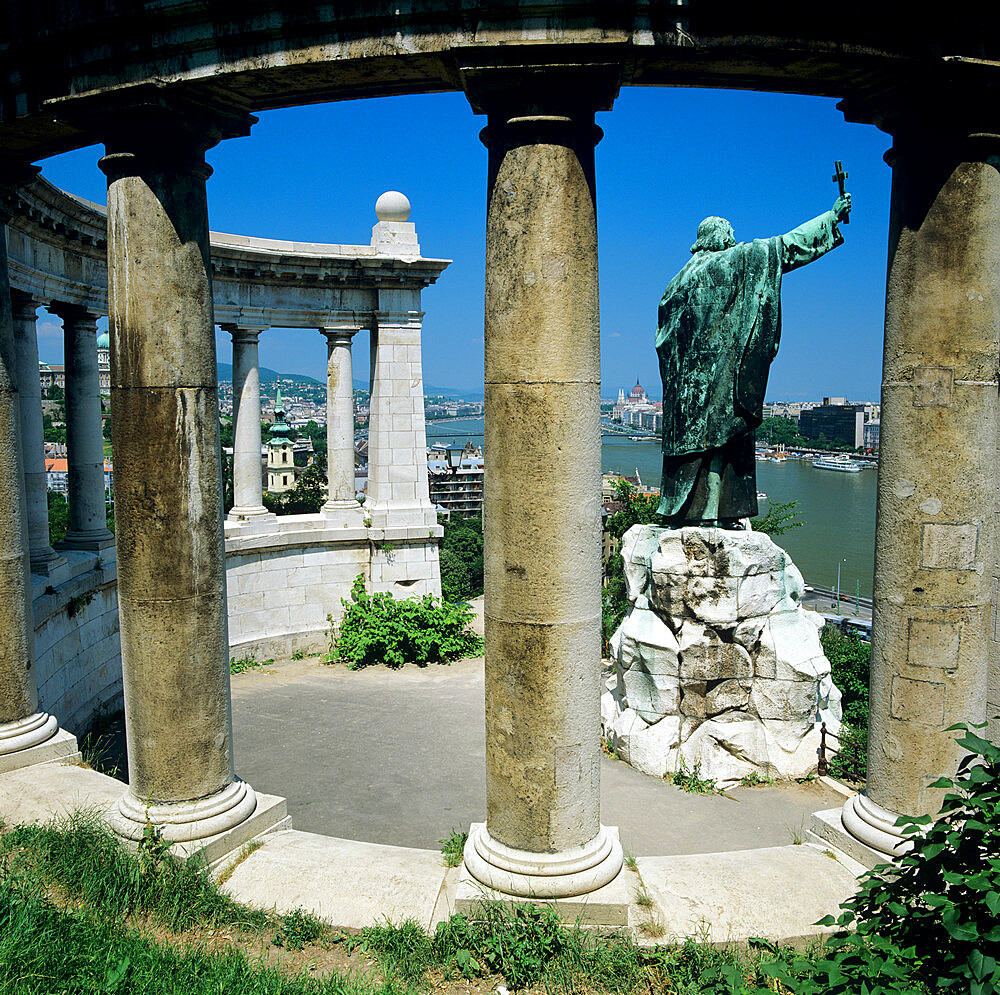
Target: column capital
<point>77,314</point>
<point>940,115</point>
<point>570,92</point>
<point>243,333</point>
<point>23,305</point>
<point>340,331</point>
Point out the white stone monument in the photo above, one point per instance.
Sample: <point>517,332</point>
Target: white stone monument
<point>716,664</point>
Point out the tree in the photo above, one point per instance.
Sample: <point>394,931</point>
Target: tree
<point>463,538</point>
<point>226,433</point>
<point>55,393</point>
<point>52,432</point>
<point>58,516</point>
<point>455,584</point>
<point>106,430</point>
<point>780,518</point>
<point>779,431</point>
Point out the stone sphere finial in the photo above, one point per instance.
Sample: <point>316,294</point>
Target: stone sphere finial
<point>392,206</point>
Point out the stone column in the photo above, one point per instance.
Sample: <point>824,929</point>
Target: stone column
<point>247,472</point>
<point>543,836</point>
<point>935,532</point>
<point>43,557</point>
<point>398,494</point>
<point>341,505</point>
<point>84,439</point>
<point>23,728</point>
<point>165,430</point>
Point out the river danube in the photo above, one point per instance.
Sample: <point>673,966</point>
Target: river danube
<point>838,509</point>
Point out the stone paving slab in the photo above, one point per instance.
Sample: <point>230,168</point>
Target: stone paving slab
<point>776,892</point>
<point>348,883</point>
<point>36,794</point>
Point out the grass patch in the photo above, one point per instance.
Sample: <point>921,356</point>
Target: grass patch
<point>247,662</point>
<point>453,847</point>
<point>756,780</point>
<point>691,780</point>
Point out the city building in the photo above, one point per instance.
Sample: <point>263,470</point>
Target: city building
<point>638,410</point>
<point>52,375</point>
<point>871,433</point>
<point>104,363</point>
<point>458,490</point>
<point>834,421</point>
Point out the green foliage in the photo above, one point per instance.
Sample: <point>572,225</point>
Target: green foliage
<point>106,429</point>
<point>755,780</point>
<point>691,780</point>
<point>931,921</point>
<point>463,544</point>
<point>779,430</point>
<point>76,605</point>
<point>58,516</point>
<point>781,517</point>
<point>225,432</point>
<point>51,432</point>
<point>247,662</point>
<point>298,654</point>
<point>305,498</point>
<point>297,928</point>
<point>849,657</point>
<point>453,847</point>
<point>456,584</point>
<point>378,628</point>
<point>55,393</point>
<point>636,509</point>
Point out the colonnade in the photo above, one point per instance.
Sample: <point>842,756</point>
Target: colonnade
<point>935,545</point>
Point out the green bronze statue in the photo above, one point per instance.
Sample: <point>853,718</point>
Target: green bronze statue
<point>719,325</point>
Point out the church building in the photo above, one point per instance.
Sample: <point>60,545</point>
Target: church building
<point>280,452</point>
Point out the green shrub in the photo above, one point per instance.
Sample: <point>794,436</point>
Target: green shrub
<point>455,581</point>
<point>849,657</point>
<point>463,540</point>
<point>377,628</point>
<point>931,921</point>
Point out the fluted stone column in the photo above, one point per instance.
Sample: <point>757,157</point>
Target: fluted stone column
<point>165,430</point>
<point>84,439</point>
<point>543,835</point>
<point>43,557</point>
<point>398,492</point>
<point>247,471</point>
<point>935,531</point>
<point>341,505</point>
<point>24,730</point>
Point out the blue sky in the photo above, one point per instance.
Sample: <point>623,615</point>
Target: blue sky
<point>669,158</point>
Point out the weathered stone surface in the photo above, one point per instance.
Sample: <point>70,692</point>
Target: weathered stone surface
<point>644,639</point>
<point>717,663</point>
<point>651,695</point>
<point>651,747</point>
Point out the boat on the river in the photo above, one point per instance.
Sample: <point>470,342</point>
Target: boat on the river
<point>842,463</point>
<point>761,496</point>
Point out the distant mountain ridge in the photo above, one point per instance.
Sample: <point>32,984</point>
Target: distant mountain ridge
<point>225,372</point>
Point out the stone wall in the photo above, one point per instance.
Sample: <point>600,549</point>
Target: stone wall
<point>284,578</point>
<point>77,649</point>
<point>716,665</point>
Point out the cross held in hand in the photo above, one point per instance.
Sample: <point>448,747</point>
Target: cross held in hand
<point>838,177</point>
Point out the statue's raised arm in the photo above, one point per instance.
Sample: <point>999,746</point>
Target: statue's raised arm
<point>814,238</point>
<point>718,331</point>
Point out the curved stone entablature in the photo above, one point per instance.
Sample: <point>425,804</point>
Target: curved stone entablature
<point>57,248</point>
<point>263,55</point>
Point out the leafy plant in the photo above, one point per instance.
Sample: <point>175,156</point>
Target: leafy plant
<point>76,605</point>
<point>247,662</point>
<point>297,654</point>
<point>755,780</point>
<point>849,657</point>
<point>297,928</point>
<point>378,628</point>
<point>691,780</point>
<point>453,847</point>
<point>781,517</point>
<point>931,921</point>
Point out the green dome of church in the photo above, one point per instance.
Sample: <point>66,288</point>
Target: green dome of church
<point>104,341</point>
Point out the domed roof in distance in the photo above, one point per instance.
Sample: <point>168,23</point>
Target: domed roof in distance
<point>104,341</point>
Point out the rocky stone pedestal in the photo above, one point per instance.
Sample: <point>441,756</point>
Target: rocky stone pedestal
<point>717,664</point>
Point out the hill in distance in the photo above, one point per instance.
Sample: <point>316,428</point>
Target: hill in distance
<point>225,372</point>
<point>267,376</point>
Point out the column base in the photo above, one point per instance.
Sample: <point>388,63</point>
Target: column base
<point>27,732</point>
<point>346,513</point>
<point>44,562</point>
<point>92,541</point>
<point>874,826</point>
<point>183,822</point>
<point>524,874</point>
<point>237,514</point>
<point>585,884</point>
<point>61,748</point>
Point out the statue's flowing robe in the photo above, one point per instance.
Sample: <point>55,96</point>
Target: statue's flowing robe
<point>719,326</point>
